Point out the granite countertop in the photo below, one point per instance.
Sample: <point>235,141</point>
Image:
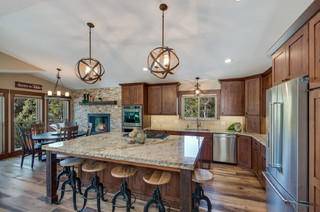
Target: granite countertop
<point>175,152</point>
<point>261,138</point>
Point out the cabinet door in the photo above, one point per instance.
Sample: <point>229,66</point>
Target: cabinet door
<point>314,49</point>
<point>125,92</point>
<point>255,161</point>
<point>207,150</point>
<point>136,94</point>
<point>266,84</point>
<point>244,151</point>
<point>169,99</point>
<point>253,124</point>
<point>253,96</point>
<point>279,66</point>
<point>154,100</point>
<point>314,150</point>
<point>297,53</point>
<point>232,98</point>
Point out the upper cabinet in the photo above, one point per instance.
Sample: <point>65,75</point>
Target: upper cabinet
<point>291,60</point>
<point>162,99</point>
<point>232,98</point>
<point>253,104</point>
<point>314,49</point>
<point>133,94</point>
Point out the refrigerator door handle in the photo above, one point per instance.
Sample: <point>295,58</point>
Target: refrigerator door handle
<point>277,152</point>
<point>285,201</point>
<point>271,134</point>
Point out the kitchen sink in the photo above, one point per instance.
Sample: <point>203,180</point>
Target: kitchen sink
<point>197,129</point>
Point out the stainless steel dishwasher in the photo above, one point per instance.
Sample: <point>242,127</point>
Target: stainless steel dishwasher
<point>224,148</point>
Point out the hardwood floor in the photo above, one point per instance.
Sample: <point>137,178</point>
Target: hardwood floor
<point>23,189</point>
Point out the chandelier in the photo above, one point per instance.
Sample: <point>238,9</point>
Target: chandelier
<point>56,93</point>
<point>197,91</point>
<point>163,61</point>
<point>89,70</point>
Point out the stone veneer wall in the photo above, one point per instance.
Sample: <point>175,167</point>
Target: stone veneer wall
<point>107,94</point>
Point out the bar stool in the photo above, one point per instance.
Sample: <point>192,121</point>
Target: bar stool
<point>94,166</point>
<point>200,176</point>
<point>124,171</point>
<point>156,177</point>
<point>73,180</point>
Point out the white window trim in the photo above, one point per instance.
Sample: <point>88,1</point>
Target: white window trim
<point>203,95</point>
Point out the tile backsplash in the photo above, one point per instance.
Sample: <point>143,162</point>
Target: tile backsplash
<point>174,123</point>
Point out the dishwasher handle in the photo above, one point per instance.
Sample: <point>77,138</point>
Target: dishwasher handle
<point>223,136</point>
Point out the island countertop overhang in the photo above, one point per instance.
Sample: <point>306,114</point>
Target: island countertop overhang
<point>180,152</point>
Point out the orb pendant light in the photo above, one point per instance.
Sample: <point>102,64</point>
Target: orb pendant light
<point>163,61</point>
<point>197,91</point>
<point>89,70</point>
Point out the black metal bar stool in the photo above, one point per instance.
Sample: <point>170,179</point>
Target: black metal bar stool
<point>94,166</point>
<point>123,171</point>
<point>156,177</point>
<point>200,176</point>
<point>73,180</point>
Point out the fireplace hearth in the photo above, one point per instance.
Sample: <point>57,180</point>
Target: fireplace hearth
<point>100,122</point>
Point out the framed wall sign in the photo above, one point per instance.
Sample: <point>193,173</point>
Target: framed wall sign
<point>28,85</point>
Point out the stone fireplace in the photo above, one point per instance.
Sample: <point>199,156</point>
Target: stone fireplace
<point>100,122</point>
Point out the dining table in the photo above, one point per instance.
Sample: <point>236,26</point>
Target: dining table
<point>48,136</point>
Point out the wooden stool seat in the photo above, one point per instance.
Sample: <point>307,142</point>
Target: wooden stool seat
<point>71,162</point>
<point>123,171</point>
<point>157,177</point>
<point>201,176</point>
<point>93,166</point>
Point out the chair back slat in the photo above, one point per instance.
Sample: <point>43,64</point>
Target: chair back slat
<point>38,128</point>
<point>25,134</point>
<point>68,133</point>
<point>89,132</point>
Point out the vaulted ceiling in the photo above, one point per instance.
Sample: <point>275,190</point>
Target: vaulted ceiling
<point>53,33</point>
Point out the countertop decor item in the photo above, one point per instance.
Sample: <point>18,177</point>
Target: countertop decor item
<point>89,70</point>
<point>236,126</point>
<point>134,132</point>
<point>56,93</point>
<point>141,137</point>
<point>163,61</point>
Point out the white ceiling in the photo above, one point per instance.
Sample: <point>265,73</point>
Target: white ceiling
<point>53,33</point>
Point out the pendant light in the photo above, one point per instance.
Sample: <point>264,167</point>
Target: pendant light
<point>197,91</point>
<point>163,61</point>
<point>89,70</point>
<point>56,93</point>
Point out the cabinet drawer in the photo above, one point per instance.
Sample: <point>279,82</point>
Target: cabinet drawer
<point>256,144</point>
<point>263,150</point>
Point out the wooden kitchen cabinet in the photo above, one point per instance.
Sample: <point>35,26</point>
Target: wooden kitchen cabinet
<point>232,98</point>
<point>253,104</point>
<point>258,160</point>
<point>314,151</point>
<point>266,84</point>
<point>244,151</point>
<point>133,94</point>
<point>162,99</point>
<point>314,51</point>
<point>154,100</point>
<point>291,60</point>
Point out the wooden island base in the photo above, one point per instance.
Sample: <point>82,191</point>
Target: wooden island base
<point>177,192</point>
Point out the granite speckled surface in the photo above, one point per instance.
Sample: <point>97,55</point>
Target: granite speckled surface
<point>259,137</point>
<point>176,151</point>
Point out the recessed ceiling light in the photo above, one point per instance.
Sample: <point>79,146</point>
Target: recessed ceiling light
<point>145,69</point>
<point>228,60</point>
<point>237,0</point>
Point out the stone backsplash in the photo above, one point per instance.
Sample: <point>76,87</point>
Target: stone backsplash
<point>80,112</point>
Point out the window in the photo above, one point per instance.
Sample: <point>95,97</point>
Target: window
<point>58,111</point>
<point>203,107</point>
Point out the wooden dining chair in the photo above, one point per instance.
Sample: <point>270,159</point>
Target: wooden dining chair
<point>70,124</point>
<point>38,128</point>
<point>29,147</point>
<point>68,133</point>
<point>89,131</point>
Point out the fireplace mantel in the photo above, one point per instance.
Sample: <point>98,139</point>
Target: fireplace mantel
<point>100,103</point>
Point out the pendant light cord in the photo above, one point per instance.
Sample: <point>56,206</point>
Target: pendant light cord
<point>162,28</point>
<point>89,42</point>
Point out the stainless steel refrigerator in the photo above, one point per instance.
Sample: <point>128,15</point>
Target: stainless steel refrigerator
<point>287,147</point>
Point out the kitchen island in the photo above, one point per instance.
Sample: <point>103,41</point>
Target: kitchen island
<point>176,154</point>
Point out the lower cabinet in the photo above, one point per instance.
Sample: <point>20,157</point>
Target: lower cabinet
<point>258,160</point>
<point>244,151</point>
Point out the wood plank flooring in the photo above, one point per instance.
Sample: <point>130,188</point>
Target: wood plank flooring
<point>233,189</point>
